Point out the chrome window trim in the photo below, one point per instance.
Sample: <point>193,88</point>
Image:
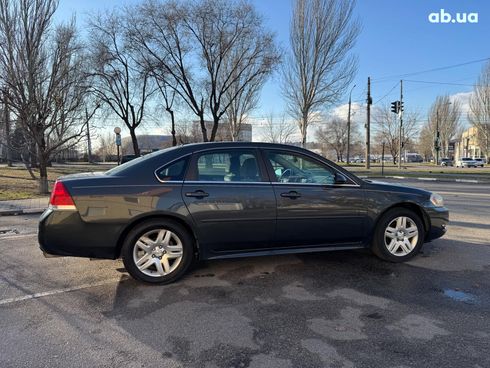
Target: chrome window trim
<point>170,163</point>
<point>254,183</point>
<point>257,147</point>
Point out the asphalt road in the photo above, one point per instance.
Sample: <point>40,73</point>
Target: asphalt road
<point>337,309</point>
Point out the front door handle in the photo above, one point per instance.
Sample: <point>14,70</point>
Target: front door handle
<point>292,194</point>
<point>197,194</point>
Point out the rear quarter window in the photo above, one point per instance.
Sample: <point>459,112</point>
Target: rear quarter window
<point>174,171</point>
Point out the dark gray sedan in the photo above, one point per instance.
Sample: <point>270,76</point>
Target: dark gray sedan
<point>219,200</point>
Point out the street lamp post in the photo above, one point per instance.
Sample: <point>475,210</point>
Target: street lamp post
<point>117,130</point>
<point>348,126</point>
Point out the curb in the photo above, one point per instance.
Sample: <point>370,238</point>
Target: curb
<point>27,211</point>
<point>447,180</point>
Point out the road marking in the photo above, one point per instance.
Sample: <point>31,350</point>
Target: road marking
<point>61,291</point>
<point>463,194</point>
<point>17,236</point>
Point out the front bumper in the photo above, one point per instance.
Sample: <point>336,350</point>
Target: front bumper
<point>438,220</point>
<point>63,233</point>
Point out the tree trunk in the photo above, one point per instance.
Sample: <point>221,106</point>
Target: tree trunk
<point>136,148</point>
<point>43,175</point>
<point>32,155</point>
<point>214,130</point>
<point>172,119</point>
<point>304,130</point>
<point>203,128</point>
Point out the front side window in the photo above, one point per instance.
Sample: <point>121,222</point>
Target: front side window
<point>174,171</point>
<point>294,168</point>
<point>228,166</point>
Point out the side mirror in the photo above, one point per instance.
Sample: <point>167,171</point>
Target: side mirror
<point>340,179</point>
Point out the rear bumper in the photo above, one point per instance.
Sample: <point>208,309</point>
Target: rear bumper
<point>439,219</point>
<point>63,233</point>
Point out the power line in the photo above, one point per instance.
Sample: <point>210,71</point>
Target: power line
<point>391,90</point>
<point>401,76</point>
<point>444,83</point>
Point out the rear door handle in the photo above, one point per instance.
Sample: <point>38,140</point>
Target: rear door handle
<point>197,194</point>
<point>292,194</point>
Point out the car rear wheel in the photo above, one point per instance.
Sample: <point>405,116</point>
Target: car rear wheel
<point>157,251</point>
<point>399,235</point>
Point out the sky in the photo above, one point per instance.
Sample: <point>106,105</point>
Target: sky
<point>397,41</point>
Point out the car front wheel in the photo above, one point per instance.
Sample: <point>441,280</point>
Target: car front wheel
<point>399,235</point>
<point>157,251</point>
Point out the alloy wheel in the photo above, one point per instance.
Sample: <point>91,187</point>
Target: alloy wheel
<point>401,236</point>
<point>158,252</point>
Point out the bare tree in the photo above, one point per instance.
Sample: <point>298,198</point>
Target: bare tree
<point>237,52</point>
<point>479,114</point>
<point>279,131</point>
<point>426,142</point>
<point>44,72</point>
<point>159,34</point>
<point>168,95</point>
<point>225,38</point>
<point>121,83</point>
<point>106,146</point>
<point>319,68</point>
<point>444,118</point>
<point>242,101</point>
<point>386,126</point>
<point>333,136</point>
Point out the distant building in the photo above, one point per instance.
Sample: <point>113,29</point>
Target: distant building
<point>468,145</point>
<point>223,133</point>
<point>146,143</point>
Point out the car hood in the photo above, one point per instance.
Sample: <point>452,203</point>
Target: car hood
<point>395,187</point>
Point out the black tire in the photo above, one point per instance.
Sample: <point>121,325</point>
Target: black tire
<point>379,247</point>
<point>139,230</point>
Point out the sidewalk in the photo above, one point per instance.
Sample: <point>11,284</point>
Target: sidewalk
<point>20,206</point>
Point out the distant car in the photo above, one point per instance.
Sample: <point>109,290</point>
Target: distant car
<point>447,162</point>
<point>413,157</point>
<point>221,200</point>
<point>480,162</point>
<point>466,162</point>
<point>127,158</point>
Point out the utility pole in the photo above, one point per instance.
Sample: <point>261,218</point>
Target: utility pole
<point>401,127</point>
<point>6,117</point>
<point>348,126</point>
<point>368,124</point>
<point>437,140</point>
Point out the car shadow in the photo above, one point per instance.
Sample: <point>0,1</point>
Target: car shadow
<point>231,312</point>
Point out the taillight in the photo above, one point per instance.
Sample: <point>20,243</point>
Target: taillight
<point>60,196</point>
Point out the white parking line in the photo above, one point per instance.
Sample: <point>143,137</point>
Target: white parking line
<point>17,236</point>
<point>61,291</point>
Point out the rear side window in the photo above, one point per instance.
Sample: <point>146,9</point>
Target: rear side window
<point>175,171</point>
<point>234,165</point>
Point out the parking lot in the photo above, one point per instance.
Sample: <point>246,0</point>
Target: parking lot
<point>337,309</point>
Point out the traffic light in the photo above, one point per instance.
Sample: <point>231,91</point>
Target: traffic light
<point>395,107</point>
<point>401,106</point>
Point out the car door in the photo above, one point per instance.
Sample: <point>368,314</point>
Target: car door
<point>316,205</point>
<point>231,200</point>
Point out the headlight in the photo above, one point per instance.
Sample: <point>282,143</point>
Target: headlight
<point>437,200</point>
